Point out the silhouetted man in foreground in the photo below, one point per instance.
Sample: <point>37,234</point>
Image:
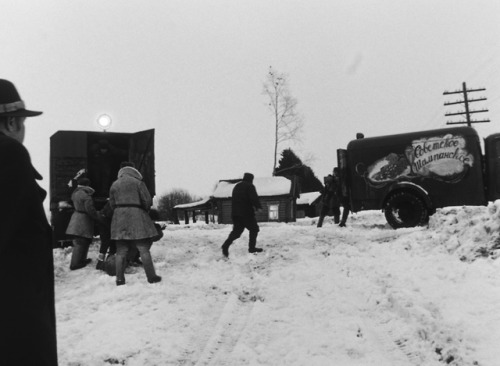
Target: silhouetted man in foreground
<point>28,321</point>
<point>244,202</point>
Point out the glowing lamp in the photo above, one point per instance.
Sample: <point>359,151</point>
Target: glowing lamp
<point>104,121</point>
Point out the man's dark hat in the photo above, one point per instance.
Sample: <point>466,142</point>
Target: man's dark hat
<point>248,177</point>
<point>11,104</point>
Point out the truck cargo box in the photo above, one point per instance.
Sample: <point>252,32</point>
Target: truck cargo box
<point>71,151</point>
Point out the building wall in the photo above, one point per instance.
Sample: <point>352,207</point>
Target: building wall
<point>307,211</point>
<point>286,211</point>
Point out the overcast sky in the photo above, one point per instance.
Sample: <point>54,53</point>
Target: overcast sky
<point>194,70</point>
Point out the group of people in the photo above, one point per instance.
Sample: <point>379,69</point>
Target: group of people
<point>124,223</point>
<point>28,330</point>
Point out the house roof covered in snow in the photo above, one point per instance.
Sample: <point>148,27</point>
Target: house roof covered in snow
<point>193,204</point>
<point>266,186</point>
<point>308,198</point>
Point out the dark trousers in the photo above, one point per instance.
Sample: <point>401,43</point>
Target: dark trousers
<point>324,211</point>
<point>345,211</point>
<point>239,225</point>
<point>80,251</point>
<point>105,236</point>
<point>122,249</point>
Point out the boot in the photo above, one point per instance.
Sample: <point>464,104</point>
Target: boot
<point>342,224</point>
<point>255,250</point>
<point>74,267</point>
<point>225,250</point>
<point>79,254</point>
<point>154,279</point>
<point>100,265</point>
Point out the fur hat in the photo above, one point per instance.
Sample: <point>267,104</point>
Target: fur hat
<point>11,104</point>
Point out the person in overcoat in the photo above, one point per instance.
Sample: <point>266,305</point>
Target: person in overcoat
<point>244,202</point>
<point>330,199</point>
<point>28,320</point>
<point>131,225</point>
<point>81,225</point>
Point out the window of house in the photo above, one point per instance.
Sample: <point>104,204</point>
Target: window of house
<point>274,211</point>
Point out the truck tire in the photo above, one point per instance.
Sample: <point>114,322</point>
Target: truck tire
<point>405,209</point>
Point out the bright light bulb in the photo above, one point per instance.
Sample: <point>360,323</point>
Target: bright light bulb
<point>104,121</point>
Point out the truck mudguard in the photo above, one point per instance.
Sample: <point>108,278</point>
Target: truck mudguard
<point>412,187</point>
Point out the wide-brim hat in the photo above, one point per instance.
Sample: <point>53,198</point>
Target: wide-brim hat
<point>11,104</point>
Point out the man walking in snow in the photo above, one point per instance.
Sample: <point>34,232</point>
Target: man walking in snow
<point>244,202</point>
<point>28,324</point>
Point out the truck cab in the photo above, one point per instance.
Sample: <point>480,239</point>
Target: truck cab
<point>410,175</point>
<point>100,155</point>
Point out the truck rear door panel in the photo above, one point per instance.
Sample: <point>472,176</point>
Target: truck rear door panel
<point>141,152</point>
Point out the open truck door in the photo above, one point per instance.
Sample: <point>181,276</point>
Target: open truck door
<point>141,153</point>
<point>68,154</point>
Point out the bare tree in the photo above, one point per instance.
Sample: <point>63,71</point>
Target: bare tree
<point>288,123</point>
<point>168,201</point>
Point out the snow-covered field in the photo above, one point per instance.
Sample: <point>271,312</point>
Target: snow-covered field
<point>361,295</point>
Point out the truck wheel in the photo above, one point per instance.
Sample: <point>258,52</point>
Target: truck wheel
<point>405,209</point>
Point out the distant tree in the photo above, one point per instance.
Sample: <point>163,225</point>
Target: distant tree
<point>291,165</point>
<point>288,122</point>
<point>288,163</point>
<point>168,201</point>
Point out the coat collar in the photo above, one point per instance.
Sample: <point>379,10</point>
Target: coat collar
<point>86,189</point>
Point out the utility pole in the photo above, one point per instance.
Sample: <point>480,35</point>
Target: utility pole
<point>466,102</point>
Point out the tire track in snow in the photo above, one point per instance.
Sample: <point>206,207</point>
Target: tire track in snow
<point>226,333</point>
<point>217,348</point>
<point>394,344</point>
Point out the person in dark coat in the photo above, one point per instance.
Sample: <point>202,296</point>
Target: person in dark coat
<point>330,198</point>
<point>244,203</point>
<point>28,325</point>
<point>81,225</point>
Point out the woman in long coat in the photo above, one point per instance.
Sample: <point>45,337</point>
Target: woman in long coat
<point>131,225</point>
<point>81,225</point>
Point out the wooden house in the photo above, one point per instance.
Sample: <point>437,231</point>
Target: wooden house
<point>309,205</point>
<point>277,196</point>
<point>203,207</point>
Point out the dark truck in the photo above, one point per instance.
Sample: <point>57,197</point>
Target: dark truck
<point>410,175</point>
<point>100,154</point>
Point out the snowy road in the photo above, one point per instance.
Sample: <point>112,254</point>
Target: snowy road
<point>362,295</point>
